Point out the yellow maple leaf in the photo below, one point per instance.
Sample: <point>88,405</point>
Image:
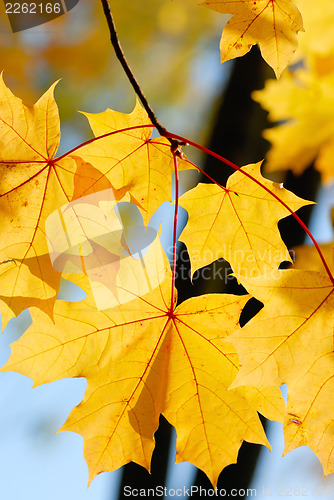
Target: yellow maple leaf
<point>131,158</point>
<point>141,359</point>
<point>29,185</point>
<point>318,18</point>
<point>238,223</point>
<point>33,184</point>
<point>272,24</point>
<point>304,102</point>
<point>291,341</point>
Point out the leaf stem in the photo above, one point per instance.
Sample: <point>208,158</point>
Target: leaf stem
<point>131,77</point>
<point>231,164</point>
<point>176,171</point>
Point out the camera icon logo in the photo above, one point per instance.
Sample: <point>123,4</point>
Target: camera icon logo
<point>25,14</point>
<point>108,242</point>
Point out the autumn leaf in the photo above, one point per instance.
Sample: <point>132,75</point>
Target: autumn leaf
<point>30,185</point>
<point>141,359</point>
<point>318,18</point>
<point>304,103</point>
<point>33,185</point>
<point>272,24</point>
<point>291,341</point>
<point>130,158</point>
<point>238,223</point>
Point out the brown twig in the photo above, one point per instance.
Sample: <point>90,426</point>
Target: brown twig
<point>131,77</point>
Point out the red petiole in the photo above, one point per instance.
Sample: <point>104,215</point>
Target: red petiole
<point>108,134</point>
<point>178,138</point>
<point>176,171</point>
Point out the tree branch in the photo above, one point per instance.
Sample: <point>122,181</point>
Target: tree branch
<point>132,79</point>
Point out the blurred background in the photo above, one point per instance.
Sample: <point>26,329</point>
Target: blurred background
<point>173,49</point>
